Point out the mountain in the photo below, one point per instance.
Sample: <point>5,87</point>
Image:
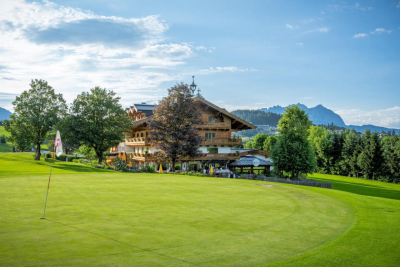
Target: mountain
<point>322,115</point>
<point>318,114</point>
<point>4,114</point>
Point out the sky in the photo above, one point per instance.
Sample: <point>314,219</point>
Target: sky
<point>244,54</point>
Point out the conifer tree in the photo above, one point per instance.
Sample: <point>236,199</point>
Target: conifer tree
<point>371,158</point>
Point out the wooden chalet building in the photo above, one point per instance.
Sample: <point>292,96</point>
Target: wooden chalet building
<point>216,131</point>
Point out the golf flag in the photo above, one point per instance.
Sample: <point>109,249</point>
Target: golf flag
<point>211,170</point>
<point>58,144</point>
<point>160,168</point>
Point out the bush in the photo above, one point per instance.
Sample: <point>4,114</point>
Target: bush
<point>3,139</point>
<point>120,164</point>
<point>63,157</point>
<point>48,155</point>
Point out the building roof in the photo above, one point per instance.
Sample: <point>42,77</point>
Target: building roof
<point>247,161</point>
<point>148,109</point>
<point>140,107</point>
<point>246,125</point>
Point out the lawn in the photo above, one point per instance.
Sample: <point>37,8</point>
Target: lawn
<point>8,146</point>
<point>97,217</point>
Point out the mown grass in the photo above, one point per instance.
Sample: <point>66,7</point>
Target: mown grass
<point>8,146</point>
<point>98,217</point>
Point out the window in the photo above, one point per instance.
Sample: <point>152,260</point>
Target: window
<point>210,135</point>
<point>212,119</point>
<point>212,150</point>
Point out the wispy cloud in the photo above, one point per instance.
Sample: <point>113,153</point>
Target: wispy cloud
<point>384,117</point>
<point>299,43</point>
<point>320,30</point>
<point>380,30</point>
<point>360,35</point>
<point>289,26</point>
<point>376,31</point>
<point>224,69</point>
<point>343,6</point>
<point>398,5</point>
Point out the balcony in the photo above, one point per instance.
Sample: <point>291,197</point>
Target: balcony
<point>214,126</point>
<point>221,156</point>
<point>138,141</point>
<point>222,142</point>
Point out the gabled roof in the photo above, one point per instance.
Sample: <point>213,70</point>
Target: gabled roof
<point>247,125</point>
<point>248,161</point>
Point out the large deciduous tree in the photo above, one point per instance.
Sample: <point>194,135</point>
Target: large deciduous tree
<point>96,119</point>
<point>173,128</point>
<point>293,153</point>
<point>36,113</point>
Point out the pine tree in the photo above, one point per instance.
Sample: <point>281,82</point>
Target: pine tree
<point>371,158</point>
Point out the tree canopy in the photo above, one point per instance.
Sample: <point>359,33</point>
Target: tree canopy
<point>292,152</point>
<point>96,119</point>
<point>36,113</point>
<point>173,125</point>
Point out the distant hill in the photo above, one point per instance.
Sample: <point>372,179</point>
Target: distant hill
<point>372,128</point>
<point>318,114</point>
<point>4,114</point>
<point>258,117</point>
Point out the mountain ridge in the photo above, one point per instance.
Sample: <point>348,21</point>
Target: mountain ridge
<point>4,114</point>
<point>322,115</point>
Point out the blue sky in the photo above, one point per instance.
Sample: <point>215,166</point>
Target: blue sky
<point>244,54</point>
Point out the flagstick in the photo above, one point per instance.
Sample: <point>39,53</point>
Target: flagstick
<point>48,185</point>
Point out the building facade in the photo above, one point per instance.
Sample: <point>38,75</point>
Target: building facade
<point>215,130</point>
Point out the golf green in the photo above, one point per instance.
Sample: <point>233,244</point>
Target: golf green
<point>107,218</point>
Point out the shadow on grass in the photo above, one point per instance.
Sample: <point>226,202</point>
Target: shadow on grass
<point>361,189</point>
<point>61,165</point>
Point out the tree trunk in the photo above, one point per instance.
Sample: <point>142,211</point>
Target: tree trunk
<point>37,157</point>
<point>100,157</point>
<point>173,165</point>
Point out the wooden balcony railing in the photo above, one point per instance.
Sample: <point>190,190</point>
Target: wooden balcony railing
<point>214,125</point>
<point>138,141</point>
<point>221,142</point>
<point>221,156</point>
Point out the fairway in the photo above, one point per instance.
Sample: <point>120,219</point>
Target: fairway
<point>103,218</point>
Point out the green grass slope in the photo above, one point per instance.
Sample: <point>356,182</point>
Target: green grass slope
<point>8,146</point>
<point>98,217</point>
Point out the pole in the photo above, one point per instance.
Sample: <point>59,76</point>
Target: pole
<point>48,184</point>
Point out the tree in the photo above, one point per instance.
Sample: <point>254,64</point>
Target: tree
<point>173,125</point>
<point>371,158</point>
<point>258,142</point>
<point>2,139</point>
<point>293,153</point>
<point>269,143</point>
<point>249,145</point>
<point>97,120</point>
<point>36,113</point>
<point>391,148</point>
<point>350,152</point>
<point>321,141</point>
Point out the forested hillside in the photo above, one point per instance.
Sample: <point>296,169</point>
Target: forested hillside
<point>258,117</point>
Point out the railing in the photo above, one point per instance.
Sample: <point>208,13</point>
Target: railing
<point>221,156</point>
<point>214,125</point>
<point>138,141</point>
<point>221,141</point>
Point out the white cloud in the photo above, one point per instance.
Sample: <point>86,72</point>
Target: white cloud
<point>224,69</point>
<point>360,35</point>
<point>398,5</point>
<point>380,30</point>
<point>321,30</point>
<point>299,43</point>
<point>306,21</point>
<point>127,55</point>
<point>289,26</point>
<point>385,117</point>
